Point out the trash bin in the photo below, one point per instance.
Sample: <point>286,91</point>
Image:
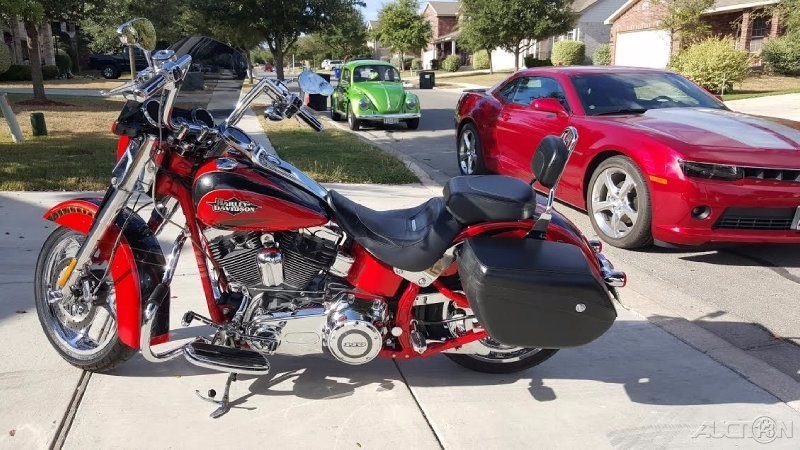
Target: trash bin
<point>427,79</point>
<point>337,72</point>
<point>319,102</point>
<point>38,124</point>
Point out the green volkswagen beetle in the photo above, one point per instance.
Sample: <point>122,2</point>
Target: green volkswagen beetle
<point>371,92</point>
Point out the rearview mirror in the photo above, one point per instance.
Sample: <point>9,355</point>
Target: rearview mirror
<point>549,161</point>
<point>549,105</point>
<point>311,83</point>
<point>138,33</point>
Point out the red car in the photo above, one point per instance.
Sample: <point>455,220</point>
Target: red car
<point>658,160</point>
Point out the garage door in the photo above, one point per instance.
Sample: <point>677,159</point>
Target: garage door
<point>649,48</point>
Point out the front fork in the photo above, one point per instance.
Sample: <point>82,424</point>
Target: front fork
<point>114,202</point>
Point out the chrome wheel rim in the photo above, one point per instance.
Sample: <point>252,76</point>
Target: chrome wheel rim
<point>467,153</point>
<point>486,349</point>
<point>615,202</point>
<point>108,72</point>
<point>85,329</point>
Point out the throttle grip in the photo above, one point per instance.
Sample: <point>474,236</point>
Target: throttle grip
<point>309,118</point>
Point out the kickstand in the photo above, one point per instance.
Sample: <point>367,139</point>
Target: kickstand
<point>223,405</point>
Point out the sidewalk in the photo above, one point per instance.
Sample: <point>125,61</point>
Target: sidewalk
<point>637,386</point>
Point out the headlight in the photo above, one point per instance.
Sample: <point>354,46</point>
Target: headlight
<point>711,171</point>
<point>364,103</point>
<point>411,102</point>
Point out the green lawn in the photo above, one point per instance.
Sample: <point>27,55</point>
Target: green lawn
<point>78,153</point>
<point>334,156</point>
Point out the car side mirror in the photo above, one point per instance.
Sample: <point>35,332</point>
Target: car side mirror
<point>549,105</point>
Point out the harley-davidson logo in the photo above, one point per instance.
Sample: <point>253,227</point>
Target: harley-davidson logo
<point>233,206</point>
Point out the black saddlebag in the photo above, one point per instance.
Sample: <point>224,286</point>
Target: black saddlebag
<point>532,293</point>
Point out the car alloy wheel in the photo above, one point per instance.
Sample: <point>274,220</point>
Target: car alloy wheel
<point>467,152</point>
<point>615,202</point>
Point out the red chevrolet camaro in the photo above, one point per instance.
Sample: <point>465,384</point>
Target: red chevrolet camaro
<point>658,159</point>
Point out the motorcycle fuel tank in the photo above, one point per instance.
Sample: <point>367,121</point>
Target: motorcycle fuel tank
<point>239,197</point>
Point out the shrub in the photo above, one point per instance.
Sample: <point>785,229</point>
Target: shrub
<point>568,53</point>
<point>5,59</point>
<point>783,54</point>
<point>480,60</point>
<point>532,61</point>
<point>602,55</point>
<point>451,63</point>
<point>17,72</point>
<point>407,60</point>
<point>416,64</point>
<point>64,63</point>
<point>713,63</point>
<point>49,72</point>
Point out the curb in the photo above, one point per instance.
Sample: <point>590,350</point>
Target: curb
<point>424,178</point>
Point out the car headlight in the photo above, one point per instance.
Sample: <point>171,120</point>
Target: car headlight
<point>411,102</point>
<point>711,171</point>
<point>364,103</point>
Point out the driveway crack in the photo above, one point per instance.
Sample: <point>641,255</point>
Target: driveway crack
<point>69,415</point>
<point>419,406</point>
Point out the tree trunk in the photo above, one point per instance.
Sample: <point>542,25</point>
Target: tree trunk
<point>73,44</point>
<point>132,61</point>
<point>489,52</point>
<point>402,61</point>
<point>277,53</point>
<point>35,53</point>
<point>516,56</point>
<point>248,58</point>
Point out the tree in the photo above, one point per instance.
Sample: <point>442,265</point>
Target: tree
<point>279,23</point>
<point>402,28</point>
<point>346,36</point>
<point>684,19</point>
<point>478,26</point>
<point>523,22</point>
<point>35,14</point>
<point>790,15</point>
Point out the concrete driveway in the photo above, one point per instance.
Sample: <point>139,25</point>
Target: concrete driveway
<point>783,106</point>
<point>637,386</point>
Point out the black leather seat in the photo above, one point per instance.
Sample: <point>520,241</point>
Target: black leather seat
<point>485,198</point>
<point>410,239</point>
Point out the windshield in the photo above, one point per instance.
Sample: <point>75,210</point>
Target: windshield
<point>375,73</point>
<point>609,93</point>
<point>214,81</point>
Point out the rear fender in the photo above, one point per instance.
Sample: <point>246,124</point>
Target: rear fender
<point>136,268</point>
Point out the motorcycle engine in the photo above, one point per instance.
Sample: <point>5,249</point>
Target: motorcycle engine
<point>289,260</point>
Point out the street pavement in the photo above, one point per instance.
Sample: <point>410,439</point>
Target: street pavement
<point>637,386</point>
<point>746,294</point>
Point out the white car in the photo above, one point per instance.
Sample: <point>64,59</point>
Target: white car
<point>326,64</point>
<point>335,64</point>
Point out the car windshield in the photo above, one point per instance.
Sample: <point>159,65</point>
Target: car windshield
<point>636,92</point>
<point>375,73</point>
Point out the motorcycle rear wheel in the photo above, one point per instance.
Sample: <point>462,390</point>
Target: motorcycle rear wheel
<point>485,355</point>
<point>74,331</point>
<point>501,358</point>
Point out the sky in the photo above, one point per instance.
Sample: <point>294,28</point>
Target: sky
<point>371,11</point>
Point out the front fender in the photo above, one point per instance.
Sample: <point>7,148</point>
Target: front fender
<point>136,268</point>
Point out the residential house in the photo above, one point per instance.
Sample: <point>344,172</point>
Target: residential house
<point>16,38</point>
<point>378,51</point>
<point>591,28</point>
<point>443,17</point>
<point>637,38</point>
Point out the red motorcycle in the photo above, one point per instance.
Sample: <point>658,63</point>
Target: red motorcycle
<point>486,275</point>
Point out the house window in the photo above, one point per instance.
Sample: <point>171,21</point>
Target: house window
<point>572,35</point>
<point>758,31</point>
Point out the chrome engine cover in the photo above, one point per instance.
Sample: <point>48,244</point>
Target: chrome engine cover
<point>349,329</point>
<point>355,329</point>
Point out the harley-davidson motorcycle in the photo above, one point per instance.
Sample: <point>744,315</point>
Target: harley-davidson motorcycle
<point>486,274</point>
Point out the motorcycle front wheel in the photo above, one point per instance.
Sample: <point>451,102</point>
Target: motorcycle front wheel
<point>83,331</point>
